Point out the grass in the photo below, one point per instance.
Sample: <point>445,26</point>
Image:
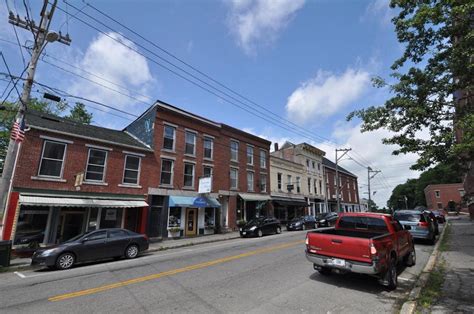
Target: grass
<point>432,291</point>
<point>444,245</point>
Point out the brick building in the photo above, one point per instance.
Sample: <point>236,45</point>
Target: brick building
<point>438,196</point>
<point>348,188</point>
<point>187,147</point>
<point>71,178</point>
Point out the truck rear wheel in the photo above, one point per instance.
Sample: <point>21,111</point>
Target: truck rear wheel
<point>392,275</point>
<point>325,271</point>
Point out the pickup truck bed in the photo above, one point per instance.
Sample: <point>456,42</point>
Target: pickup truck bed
<point>351,233</point>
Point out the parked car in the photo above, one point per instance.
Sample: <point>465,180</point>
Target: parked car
<point>365,243</point>
<point>417,223</point>
<point>326,219</point>
<point>92,246</point>
<point>302,223</point>
<point>433,219</point>
<point>32,239</point>
<point>440,216</point>
<point>260,226</point>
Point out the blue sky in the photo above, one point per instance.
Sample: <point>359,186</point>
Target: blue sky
<point>309,62</point>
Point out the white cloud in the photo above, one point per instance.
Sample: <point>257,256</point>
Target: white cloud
<point>326,94</point>
<point>379,9</point>
<point>256,22</point>
<point>118,66</point>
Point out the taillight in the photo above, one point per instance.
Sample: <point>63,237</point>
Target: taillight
<point>307,240</point>
<point>373,250</point>
<point>423,224</point>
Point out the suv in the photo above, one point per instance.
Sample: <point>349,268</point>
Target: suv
<point>418,223</point>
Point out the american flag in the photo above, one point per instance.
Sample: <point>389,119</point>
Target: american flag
<point>18,130</point>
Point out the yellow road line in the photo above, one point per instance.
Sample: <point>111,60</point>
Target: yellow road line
<point>171,272</point>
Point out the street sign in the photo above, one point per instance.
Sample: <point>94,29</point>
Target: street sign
<point>205,185</point>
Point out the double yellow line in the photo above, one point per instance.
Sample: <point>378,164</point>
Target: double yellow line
<point>119,284</point>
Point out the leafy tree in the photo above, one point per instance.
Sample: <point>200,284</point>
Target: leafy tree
<point>80,114</point>
<point>437,63</point>
<point>408,190</point>
<point>372,207</point>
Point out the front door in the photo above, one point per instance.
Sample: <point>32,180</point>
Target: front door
<point>70,225</point>
<point>191,221</point>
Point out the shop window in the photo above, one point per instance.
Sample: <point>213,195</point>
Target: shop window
<point>250,181</point>
<point>249,155</point>
<point>263,183</point>
<point>263,159</point>
<point>190,147</point>
<point>209,217</point>
<point>174,217</point>
<point>207,171</point>
<point>96,165</point>
<point>132,169</point>
<point>31,226</point>
<point>234,178</point>
<point>166,172</point>
<point>92,223</point>
<point>52,159</point>
<point>111,218</point>
<point>169,137</point>
<point>188,175</point>
<point>234,150</point>
<point>208,147</point>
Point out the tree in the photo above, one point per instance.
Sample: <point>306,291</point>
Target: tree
<point>80,114</point>
<point>372,207</point>
<point>436,64</point>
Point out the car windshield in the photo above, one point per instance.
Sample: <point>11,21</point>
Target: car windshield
<point>408,217</point>
<point>255,221</point>
<point>296,219</point>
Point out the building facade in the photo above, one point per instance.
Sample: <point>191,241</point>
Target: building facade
<point>348,188</point>
<point>438,196</point>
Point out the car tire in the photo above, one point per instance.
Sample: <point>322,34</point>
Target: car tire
<point>65,261</point>
<point>131,251</point>
<point>278,230</point>
<point>259,233</point>
<point>325,271</point>
<point>432,241</point>
<point>392,275</point>
<point>410,259</point>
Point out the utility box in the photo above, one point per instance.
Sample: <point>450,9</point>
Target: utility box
<point>5,253</point>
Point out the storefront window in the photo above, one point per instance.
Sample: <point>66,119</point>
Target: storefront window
<point>31,226</point>
<point>174,217</point>
<point>92,224</point>
<point>209,217</point>
<point>111,218</point>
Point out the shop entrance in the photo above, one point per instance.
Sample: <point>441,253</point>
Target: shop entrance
<point>71,223</point>
<point>191,221</point>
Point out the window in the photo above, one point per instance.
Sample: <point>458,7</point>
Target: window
<point>52,159</point>
<point>279,181</point>
<point>234,178</point>
<point>188,175</point>
<point>315,186</point>
<point>320,188</point>
<point>249,181</point>
<point>190,146</point>
<point>327,179</point>
<point>166,172</point>
<point>309,185</point>
<point>99,235</point>
<point>263,159</point>
<point>169,137</point>
<point>118,234</point>
<point>132,169</point>
<point>289,186</point>
<point>354,185</point>
<point>461,192</point>
<point>307,163</point>
<point>298,188</point>
<point>440,205</point>
<point>263,183</point>
<point>207,172</point>
<point>249,155</point>
<point>319,166</point>
<point>314,165</point>
<point>348,182</point>
<point>335,180</point>
<point>234,150</point>
<point>437,194</point>
<point>174,219</point>
<point>209,217</point>
<point>350,196</point>
<point>96,165</point>
<point>208,147</point>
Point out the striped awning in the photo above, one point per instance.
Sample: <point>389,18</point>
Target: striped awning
<point>79,202</point>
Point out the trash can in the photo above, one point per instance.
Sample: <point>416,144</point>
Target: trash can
<point>5,253</point>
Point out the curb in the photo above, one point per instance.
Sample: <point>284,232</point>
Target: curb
<point>409,306</point>
<point>163,248</point>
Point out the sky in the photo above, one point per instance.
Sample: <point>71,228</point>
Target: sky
<point>303,64</point>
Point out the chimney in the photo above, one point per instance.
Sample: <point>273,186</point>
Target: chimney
<point>275,145</point>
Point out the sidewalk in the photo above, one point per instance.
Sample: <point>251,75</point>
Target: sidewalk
<point>457,295</point>
<point>18,263</point>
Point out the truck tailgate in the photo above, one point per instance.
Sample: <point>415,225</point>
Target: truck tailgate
<point>343,247</point>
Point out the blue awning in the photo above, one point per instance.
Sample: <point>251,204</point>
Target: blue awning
<point>196,202</point>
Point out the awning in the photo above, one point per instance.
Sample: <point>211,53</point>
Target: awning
<point>289,201</point>
<point>79,202</point>
<point>196,202</point>
<point>250,197</point>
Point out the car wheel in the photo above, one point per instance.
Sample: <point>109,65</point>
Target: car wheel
<point>410,259</point>
<point>278,230</point>
<point>65,261</point>
<point>131,251</point>
<point>325,271</point>
<point>432,240</point>
<point>392,275</point>
<point>259,233</point>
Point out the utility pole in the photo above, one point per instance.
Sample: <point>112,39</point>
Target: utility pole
<point>345,151</point>
<point>42,36</point>
<point>370,175</point>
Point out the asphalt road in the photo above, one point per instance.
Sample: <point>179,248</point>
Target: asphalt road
<point>264,275</point>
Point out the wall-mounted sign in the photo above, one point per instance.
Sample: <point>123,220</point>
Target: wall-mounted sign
<point>205,185</point>
<point>111,214</point>
<point>200,202</point>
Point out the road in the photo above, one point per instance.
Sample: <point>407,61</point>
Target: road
<point>261,275</point>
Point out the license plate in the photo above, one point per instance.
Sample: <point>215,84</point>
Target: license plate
<point>339,262</point>
<point>244,233</point>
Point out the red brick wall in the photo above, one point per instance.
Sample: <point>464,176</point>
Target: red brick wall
<point>344,191</point>
<point>448,192</point>
<point>76,161</point>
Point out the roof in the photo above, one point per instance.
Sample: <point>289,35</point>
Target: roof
<point>330,164</point>
<point>52,123</point>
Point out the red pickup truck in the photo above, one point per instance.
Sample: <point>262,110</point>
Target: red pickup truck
<point>366,243</point>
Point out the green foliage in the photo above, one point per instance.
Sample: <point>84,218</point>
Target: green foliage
<point>436,64</point>
<point>80,114</point>
<point>372,207</point>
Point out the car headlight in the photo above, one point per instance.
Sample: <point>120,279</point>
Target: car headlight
<point>253,228</point>
<point>48,252</point>
<point>323,221</point>
<point>298,223</point>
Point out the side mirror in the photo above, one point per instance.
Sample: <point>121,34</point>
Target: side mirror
<point>84,240</point>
